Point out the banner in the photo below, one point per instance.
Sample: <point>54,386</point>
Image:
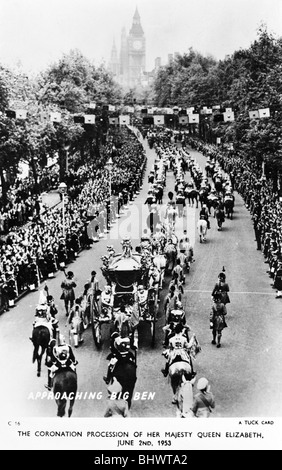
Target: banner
<point>55,117</point>
<point>193,118</point>
<point>228,116</point>
<point>159,120</point>
<point>21,113</point>
<point>183,120</point>
<point>124,120</point>
<point>89,119</point>
<point>264,113</point>
<point>254,114</point>
<point>113,121</point>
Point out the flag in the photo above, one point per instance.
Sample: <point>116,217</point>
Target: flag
<point>44,116</point>
<point>10,113</point>
<point>218,140</point>
<point>190,110</point>
<point>111,107</point>
<point>89,118</point>
<point>55,117</point>
<point>169,111</point>
<point>78,119</point>
<point>148,121</point>
<point>228,117</point>
<point>124,120</point>
<point>263,113</point>
<point>150,111</point>
<point>144,111</point>
<point>158,120</point>
<point>254,114</point>
<point>92,105</point>
<point>193,118</point>
<point>218,118</point>
<point>183,119</point>
<point>21,113</point>
<point>113,121</point>
<point>228,110</point>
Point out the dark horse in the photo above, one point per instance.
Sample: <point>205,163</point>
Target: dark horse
<point>220,216</point>
<point>192,195</point>
<point>125,373</point>
<point>177,370</point>
<point>229,206</point>
<point>40,339</point>
<point>64,389</point>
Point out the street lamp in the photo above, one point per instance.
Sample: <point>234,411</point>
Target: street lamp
<point>67,147</point>
<point>63,189</point>
<point>110,167</point>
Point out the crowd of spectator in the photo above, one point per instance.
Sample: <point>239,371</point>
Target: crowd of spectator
<point>35,251</point>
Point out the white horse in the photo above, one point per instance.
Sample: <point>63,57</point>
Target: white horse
<point>160,261</point>
<point>202,227</point>
<point>185,398</point>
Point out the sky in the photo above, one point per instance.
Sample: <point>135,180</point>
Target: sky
<point>36,33</point>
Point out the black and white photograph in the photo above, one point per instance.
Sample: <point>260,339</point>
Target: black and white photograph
<point>140,226</point>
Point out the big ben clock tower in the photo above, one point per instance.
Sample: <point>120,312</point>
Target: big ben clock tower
<point>136,51</point>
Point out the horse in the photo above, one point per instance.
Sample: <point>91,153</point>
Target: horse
<point>220,216</point>
<point>202,227</point>
<point>159,261</point>
<point>212,201</point>
<point>171,255</point>
<point>64,389</point>
<point>229,206</point>
<point>185,399</point>
<point>192,195</point>
<point>40,338</point>
<point>176,371</point>
<point>203,193</point>
<point>76,330</point>
<point>125,373</point>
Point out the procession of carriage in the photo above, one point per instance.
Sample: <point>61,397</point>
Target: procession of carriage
<point>134,281</point>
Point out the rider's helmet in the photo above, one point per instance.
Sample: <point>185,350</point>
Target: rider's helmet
<point>179,305</point>
<point>217,297</point>
<point>178,328</point>
<point>108,289</point>
<point>202,383</point>
<point>70,275</point>
<point>41,310</point>
<point>222,276</point>
<point>140,288</point>
<point>62,340</point>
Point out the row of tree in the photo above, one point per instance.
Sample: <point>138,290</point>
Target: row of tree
<point>250,79</point>
<point>66,87</point>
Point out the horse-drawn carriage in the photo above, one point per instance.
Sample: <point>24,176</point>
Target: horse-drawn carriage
<point>128,298</point>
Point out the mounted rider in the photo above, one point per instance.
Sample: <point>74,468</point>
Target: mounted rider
<point>43,316</point>
<point>178,349</point>
<point>176,317</point>
<point>221,287</point>
<point>142,296</point>
<point>60,357</point>
<point>204,213</point>
<point>107,303</point>
<point>120,351</point>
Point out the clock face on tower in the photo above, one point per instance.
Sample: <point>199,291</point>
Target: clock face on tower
<point>137,45</point>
